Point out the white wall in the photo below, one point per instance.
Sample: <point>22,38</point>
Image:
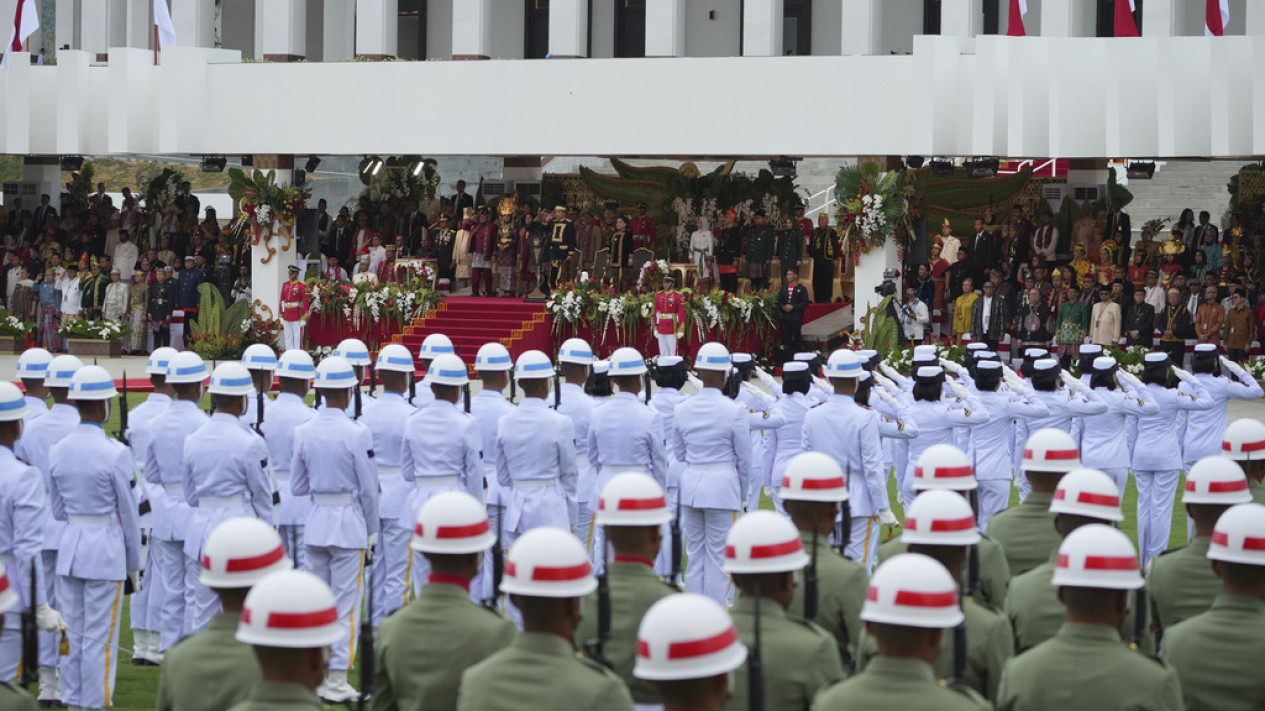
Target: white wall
<point>902,20</point>
<point>439,29</point>
<point>507,31</point>
<point>602,39</point>
<point>827,27</point>
<point>721,37</point>
<point>237,26</point>
<point>314,42</point>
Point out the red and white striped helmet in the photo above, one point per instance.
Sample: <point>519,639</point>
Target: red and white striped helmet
<point>452,522</point>
<point>1050,450</point>
<point>686,636</point>
<point>940,518</point>
<point>813,476</point>
<point>943,466</point>
<point>292,609</point>
<point>1087,492</point>
<point>912,590</point>
<point>632,499</point>
<point>548,562</point>
<point>1097,556</point>
<point>240,552</point>
<point>764,542</point>
<point>1244,440</point>
<point>1216,480</point>
<point>1239,536</point>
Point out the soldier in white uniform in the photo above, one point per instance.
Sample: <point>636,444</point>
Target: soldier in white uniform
<point>1102,445</point>
<point>1204,427</point>
<point>355,352</point>
<point>711,435</point>
<point>165,467</point>
<point>433,346</point>
<point>762,420</point>
<point>333,465</point>
<point>492,364</point>
<point>624,435</point>
<point>1065,400</point>
<point>91,477</point>
<point>294,377</point>
<point>261,361</point>
<point>782,444</point>
<point>671,373</point>
<point>574,359</point>
<point>32,369</point>
<point>226,476</point>
<point>990,442</point>
<point>386,417</point>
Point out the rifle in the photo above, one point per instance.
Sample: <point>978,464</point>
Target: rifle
<point>465,397</point>
<point>316,400</point>
<point>121,433</point>
<point>557,391</point>
<point>596,647</point>
<point>1139,618</point>
<point>30,635</point>
<point>498,566</point>
<point>648,388</point>
<point>373,379</point>
<point>811,583</point>
<point>359,406</point>
<point>366,641</point>
<point>678,553</point>
<point>755,665</point>
<point>513,388</point>
<point>259,412</point>
<point>412,387</point>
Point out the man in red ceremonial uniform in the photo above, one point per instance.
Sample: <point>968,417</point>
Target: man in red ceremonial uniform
<point>669,316</point>
<point>482,243</point>
<point>293,309</point>
<point>642,228</point>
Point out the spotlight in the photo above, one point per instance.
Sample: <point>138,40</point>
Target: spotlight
<point>72,163</point>
<point>1137,170</point>
<point>416,167</point>
<point>213,164</point>
<point>914,162</point>
<point>369,166</point>
<point>782,166</point>
<point>942,168</point>
<point>981,167</point>
<point>312,162</point>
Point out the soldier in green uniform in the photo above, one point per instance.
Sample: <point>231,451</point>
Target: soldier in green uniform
<point>941,466</point>
<point>1244,442</point>
<point>632,509</point>
<point>12,696</point>
<point>1181,582</point>
<point>547,577</point>
<point>911,601</point>
<point>1026,532</point>
<point>764,555</point>
<point>212,670</point>
<point>813,490</point>
<point>1086,665</point>
<point>941,525</point>
<point>688,646</point>
<point>425,646</point>
<point>1218,654</point>
<point>290,618</point>
<point>1083,497</point>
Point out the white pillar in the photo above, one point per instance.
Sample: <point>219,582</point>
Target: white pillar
<point>376,28</point>
<point>569,28</point>
<point>862,26</point>
<point>339,30</point>
<point>266,278</point>
<point>44,171</point>
<point>961,18</point>
<point>762,28</point>
<point>140,24</point>
<point>94,30</point>
<point>1067,18</point>
<point>1159,18</point>
<point>283,26</point>
<point>472,29</point>
<point>196,22</point>
<point>64,26</point>
<point>1255,18</point>
<point>665,28</point>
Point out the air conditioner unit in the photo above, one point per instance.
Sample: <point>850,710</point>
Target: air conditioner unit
<point>1091,193</point>
<point>496,188</point>
<point>1053,191</point>
<point>528,188</point>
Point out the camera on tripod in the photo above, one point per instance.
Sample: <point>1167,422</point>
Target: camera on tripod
<point>888,287</point>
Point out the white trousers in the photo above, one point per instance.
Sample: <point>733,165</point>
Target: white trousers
<point>145,607</point>
<point>172,567</point>
<point>863,543</point>
<point>293,334</point>
<point>341,569</point>
<point>93,611</point>
<point>1120,476</point>
<point>1156,490</point>
<point>292,541</point>
<point>705,534</point>
<point>200,602</point>
<point>495,514</point>
<point>663,562</point>
<point>667,344</point>
<point>10,647</point>
<point>390,570</point>
<point>994,497</point>
<point>52,588</point>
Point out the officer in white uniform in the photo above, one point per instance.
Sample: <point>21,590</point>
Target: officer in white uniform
<point>355,352</point>
<point>440,449</point>
<point>1204,427</point>
<point>574,358</point>
<point>165,467</point>
<point>625,435</point>
<point>493,364</point>
<point>32,369</point>
<point>294,377</point>
<point>762,420</point>
<point>91,477</point>
<point>333,465</point>
<point>261,361</point>
<point>1065,400</point>
<point>990,442</point>
<point>386,416</point>
<point>782,444</point>
<point>1102,445</point>
<point>433,346</point>
<point>35,447</point>
<point>938,418</point>
<point>226,476</point>
<point>710,433</point>
<point>671,373</point>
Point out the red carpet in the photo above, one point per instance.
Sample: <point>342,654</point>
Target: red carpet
<point>471,321</point>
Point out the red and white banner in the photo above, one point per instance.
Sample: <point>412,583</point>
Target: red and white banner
<point>1015,28</point>
<point>1216,16</point>
<point>26,20</point>
<point>1125,26</point>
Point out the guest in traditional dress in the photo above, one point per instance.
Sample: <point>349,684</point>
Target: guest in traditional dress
<point>506,251</point>
<point>138,300</point>
<point>962,309</point>
<point>461,249</point>
<point>1073,323</point>
<point>24,302</point>
<point>620,250</point>
<point>702,250</point>
<point>50,301</point>
<point>823,249</point>
<point>114,306</point>
<point>1033,321</point>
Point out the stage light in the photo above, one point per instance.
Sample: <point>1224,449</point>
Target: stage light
<point>312,163</point>
<point>783,166</point>
<point>248,161</point>
<point>982,167</point>
<point>914,162</point>
<point>370,165</point>
<point>416,167</point>
<point>213,164</point>
<point>72,163</point>
<point>1137,170</point>
<point>942,168</point>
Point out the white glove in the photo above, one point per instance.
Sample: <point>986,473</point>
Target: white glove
<point>693,379</point>
<point>765,378</point>
<point>1070,380</point>
<point>135,577</point>
<point>885,396</point>
<point>958,389</point>
<point>1129,378</point>
<point>1233,367</point>
<point>1007,370</point>
<point>48,619</point>
<point>887,518</point>
<point>885,382</point>
<point>889,372</point>
<point>303,324</point>
<point>373,541</point>
<point>1015,382</point>
<point>1183,375</point>
<point>950,366</point>
<point>823,383</point>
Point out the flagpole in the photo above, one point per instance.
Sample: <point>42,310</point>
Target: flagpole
<point>155,45</point>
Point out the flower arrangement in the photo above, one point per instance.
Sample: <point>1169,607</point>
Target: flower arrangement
<point>13,327</point>
<point>216,346</point>
<point>263,202</point>
<point>161,190</point>
<point>651,276</point>
<point>257,328</point>
<point>1131,359</point>
<point>872,206</point>
<point>1255,367</point>
<point>371,303</point>
<point>94,329</point>
<point>320,353</point>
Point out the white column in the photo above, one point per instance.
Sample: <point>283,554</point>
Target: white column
<point>762,28</point>
<point>64,26</point>
<point>665,28</point>
<point>1255,18</point>
<point>569,28</point>
<point>195,22</point>
<point>1159,18</point>
<point>376,28</point>
<point>472,29</point>
<point>266,279</point>
<point>862,26</point>
<point>94,26</point>
<point>140,24</point>
<point>283,26</point>
<point>339,30</point>
<point>961,18</point>
<point>1067,18</point>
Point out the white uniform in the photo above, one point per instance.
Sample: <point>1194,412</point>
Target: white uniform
<point>991,447</point>
<point>536,469</point>
<point>712,436</point>
<point>1205,427</point>
<point>250,417</point>
<point>937,424</point>
<point>487,408</point>
<point>761,419</point>
<point>35,407</point>
<point>386,417</point>
<point>284,416</point>
<point>664,402</point>
<point>1102,444</point>
<point>579,407</point>
<point>783,443</point>
<point>332,465</point>
<point>1063,406</point>
<point>145,607</point>
<point>23,510</point>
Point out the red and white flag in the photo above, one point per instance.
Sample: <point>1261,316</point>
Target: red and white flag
<point>162,19</point>
<point>1015,28</point>
<point>25,22</point>
<point>1215,17</point>
<point>1125,26</point>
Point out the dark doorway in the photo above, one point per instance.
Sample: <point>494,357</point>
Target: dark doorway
<point>931,17</point>
<point>992,17</point>
<point>797,27</point>
<point>630,28</point>
<point>1107,17</point>
<point>536,29</point>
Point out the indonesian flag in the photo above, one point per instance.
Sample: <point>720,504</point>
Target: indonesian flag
<point>25,22</point>
<point>1215,17</point>
<point>166,30</point>
<point>1125,26</point>
<point>1015,28</point>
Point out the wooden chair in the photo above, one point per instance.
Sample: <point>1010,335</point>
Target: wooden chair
<point>600,266</point>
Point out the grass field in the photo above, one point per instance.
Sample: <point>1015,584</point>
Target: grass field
<point>137,687</point>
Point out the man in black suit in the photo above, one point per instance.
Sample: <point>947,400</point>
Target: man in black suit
<point>338,244</point>
<point>792,299</point>
<point>984,251</point>
<point>1139,321</point>
<point>412,225</point>
<point>1117,223</point>
<point>42,213</point>
<point>461,200</point>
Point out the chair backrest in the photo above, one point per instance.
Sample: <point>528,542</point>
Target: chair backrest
<point>600,260</point>
<point>640,258</point>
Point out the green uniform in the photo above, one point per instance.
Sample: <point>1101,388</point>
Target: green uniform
<point>1218,655</point>
<point>1181,584</point>
<point>634,588</point>
<point>994,572</point>
<point>1026,533</point>
<point>13,698</point>
<point>1035,613</point>
<point>425,646</point>
<point>1256,490</point>
<point>896,684</point>
<point>539,670</point>
<point>800,658</point>
<point>1087,667</point>
<point>210,670</point>
<point>280,696</point>
<point>841,587</point>
<point>988,645</point>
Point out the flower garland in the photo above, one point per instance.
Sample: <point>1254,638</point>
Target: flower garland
<point>96,330</point>
<point>263,202</point>
<point>371,303</point>
<point>872,206</point>
<point>13,327</point>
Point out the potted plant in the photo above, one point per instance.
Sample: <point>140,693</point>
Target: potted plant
<point>94,338</point>
<point>13,332</point>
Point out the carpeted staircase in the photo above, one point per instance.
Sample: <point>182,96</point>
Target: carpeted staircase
<point>471,321</point>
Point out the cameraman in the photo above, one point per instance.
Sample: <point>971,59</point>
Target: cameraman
<point>914,317</point>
